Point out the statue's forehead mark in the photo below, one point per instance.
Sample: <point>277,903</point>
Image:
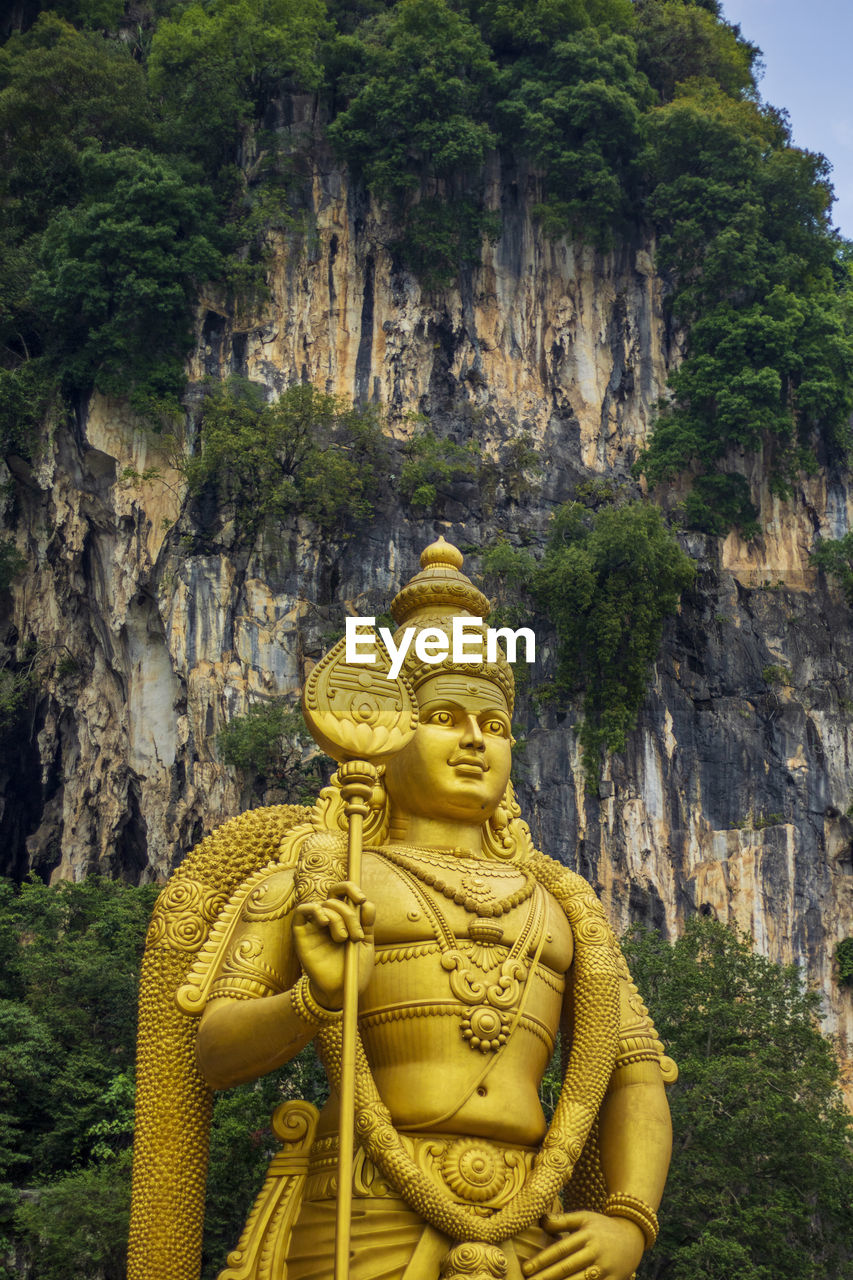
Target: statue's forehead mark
<point>462,688</point>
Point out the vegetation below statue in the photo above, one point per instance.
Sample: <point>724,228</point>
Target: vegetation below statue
<point>762,1175</point>
<point>136,168</point>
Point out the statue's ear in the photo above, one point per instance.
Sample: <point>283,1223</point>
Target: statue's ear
<point>506,836</point>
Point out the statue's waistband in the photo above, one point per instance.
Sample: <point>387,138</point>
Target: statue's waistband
<point>472,1171</point>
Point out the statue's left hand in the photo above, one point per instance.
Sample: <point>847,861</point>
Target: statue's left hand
<point>591,1247</point>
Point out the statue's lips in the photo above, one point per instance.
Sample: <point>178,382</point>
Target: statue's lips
<point>469,765</point>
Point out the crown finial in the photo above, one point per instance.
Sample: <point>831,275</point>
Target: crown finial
<point>435,596</point>
<point>440,589</point>
<point>441,552</point>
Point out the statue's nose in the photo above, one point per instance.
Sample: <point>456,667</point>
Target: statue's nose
<point>472,734</point>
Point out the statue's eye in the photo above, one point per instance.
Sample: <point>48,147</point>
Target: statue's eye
<point>441,717</point>
<point>496,726</point>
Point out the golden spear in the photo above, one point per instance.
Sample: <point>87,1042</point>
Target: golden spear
<point>357,715</point>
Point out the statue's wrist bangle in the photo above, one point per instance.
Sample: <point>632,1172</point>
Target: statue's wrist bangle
<point>635,1210</point>
<point>306,1006</point>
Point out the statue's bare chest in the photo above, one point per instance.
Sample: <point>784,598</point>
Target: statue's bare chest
<point>423,899</point>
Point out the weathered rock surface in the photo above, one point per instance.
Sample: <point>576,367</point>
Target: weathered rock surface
<point>155,625</point>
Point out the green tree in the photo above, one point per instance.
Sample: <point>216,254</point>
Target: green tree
<point>579,114</point>
<point>762,1172</point>
<point>216,67</point>
<point>241,1145</point>
<point>431,465</point>
<point>416,84</point>
<point>513,27</point>
<point>415,88</point>
<point>678,41</point>
<point>77,1225</point>
<point>835,557</point>
<point>305,454</point>
<point>606,584</point>
<point>119,275</point>
<point>759,283</point>
<point>69,975</point>
<point>61,92</point>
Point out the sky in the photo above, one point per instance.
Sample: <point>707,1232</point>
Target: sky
<point>808,58</point>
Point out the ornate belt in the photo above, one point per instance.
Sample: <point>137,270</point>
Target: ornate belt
<point>471,1171</point>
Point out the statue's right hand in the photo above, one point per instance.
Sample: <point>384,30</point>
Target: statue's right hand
<point>321,931</point>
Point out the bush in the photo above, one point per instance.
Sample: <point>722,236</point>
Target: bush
<point>12,564</point>
<point>442,237</point>
<point>606,584</point>
<point>431,464</point>
<point>844,956</point>
<point>77,1225</point>
<point>777,674</point>
<point>720,501</point>
<point>271,741</point>
<point>835,557</point>
<point>306,454</point>
<point>27,393</point>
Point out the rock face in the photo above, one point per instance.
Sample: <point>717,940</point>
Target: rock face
<point>155,624</point>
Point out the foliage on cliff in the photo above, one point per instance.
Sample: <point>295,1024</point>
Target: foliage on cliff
<point>762,1173</point>
<point>605,584</point>
<point>305,454</point>
<point>271,745</point>
<point>835,557</point>
<point>623,114</point>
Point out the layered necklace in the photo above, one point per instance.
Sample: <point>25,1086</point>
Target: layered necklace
<point>492,1004</point>
<point>474,893</point>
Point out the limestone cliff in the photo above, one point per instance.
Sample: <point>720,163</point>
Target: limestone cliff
<point>154,624</point>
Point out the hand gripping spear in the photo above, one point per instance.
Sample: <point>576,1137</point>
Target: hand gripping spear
<point>357,715</point>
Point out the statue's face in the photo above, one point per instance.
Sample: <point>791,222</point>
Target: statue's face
<point>457,765</point>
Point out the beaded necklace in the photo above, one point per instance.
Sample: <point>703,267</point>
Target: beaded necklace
<point>474,893</point>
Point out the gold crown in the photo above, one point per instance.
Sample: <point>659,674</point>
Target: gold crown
<point>440,589</point>
<point>432,598</point>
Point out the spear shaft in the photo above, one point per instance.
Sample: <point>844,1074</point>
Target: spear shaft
<point>358,778</point>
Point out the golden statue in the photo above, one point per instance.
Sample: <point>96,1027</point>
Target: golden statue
<point>456,952</point>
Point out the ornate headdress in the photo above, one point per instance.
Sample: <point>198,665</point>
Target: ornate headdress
<point>431,599</point>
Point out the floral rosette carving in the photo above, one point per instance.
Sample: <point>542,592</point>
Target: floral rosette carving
<point>183,915</point>
<point>474,1172</point>
<point>474,1262</point>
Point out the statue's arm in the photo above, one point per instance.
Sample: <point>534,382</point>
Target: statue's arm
<point>237,1042</point>
<point>635,1144</point>
<point>635,1131</point>
<point>279,981</point>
